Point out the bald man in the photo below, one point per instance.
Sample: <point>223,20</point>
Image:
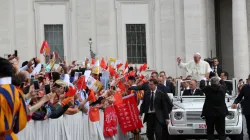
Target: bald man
<point>198,68</point>
<point>25,77</point>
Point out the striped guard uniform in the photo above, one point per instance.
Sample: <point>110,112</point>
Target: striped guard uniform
<point>13,115</point>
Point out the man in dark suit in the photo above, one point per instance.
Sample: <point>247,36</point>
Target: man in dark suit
<point>193,91</point>
<point>245,103</point>
<point>215,68</point>
<point>154,106</point>
<point>214,109</point>
<point>229,85</point>
<point>168,84</point>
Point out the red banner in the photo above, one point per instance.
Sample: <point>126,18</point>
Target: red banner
<point>110,122</point>
<point>128,114</point>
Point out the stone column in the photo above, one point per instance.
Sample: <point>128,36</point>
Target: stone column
<point>157,37</point>
<point>196,36</point>
<point>179,34</point>
<point>240,39</point>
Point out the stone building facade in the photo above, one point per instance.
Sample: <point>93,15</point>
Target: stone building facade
<point>152,31</point>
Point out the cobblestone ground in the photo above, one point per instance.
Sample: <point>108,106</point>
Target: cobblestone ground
<point>244,130</point>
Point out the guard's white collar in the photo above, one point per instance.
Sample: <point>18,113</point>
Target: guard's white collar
<point>5,80</point>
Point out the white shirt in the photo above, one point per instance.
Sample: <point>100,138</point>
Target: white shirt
<point>66,79</point>
<point>5,80</point>
<point>193,91</point>
<point>24,68</point>
<point>197,70</point>
<point>214,69</point>
<point>37,69</point>
<point>84,98</point>
<point>165,83</point>
<point>153,111</point>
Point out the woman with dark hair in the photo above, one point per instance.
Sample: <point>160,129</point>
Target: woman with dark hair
<point>55,76</point>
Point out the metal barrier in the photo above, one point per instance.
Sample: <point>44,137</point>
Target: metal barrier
<point>68,127</point>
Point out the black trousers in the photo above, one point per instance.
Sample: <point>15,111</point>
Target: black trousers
<point>155,129</point>
<point>248,124</point>
<point>219,124</point>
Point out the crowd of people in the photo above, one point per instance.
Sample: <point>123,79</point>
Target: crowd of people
<point>47,91</point>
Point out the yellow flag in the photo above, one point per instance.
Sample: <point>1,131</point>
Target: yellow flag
<point>112,62</point>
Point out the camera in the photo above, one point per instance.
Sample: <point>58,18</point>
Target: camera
<point>210,61</point>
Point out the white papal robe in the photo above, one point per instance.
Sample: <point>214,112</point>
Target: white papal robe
<point>197,70</point>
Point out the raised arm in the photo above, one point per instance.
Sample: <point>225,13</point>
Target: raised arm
<point>181,64</point>
<point>240,96</point>
<point>140,87</point>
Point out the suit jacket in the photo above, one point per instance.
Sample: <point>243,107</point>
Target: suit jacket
<point>229,87</point>
<point>244,92</point>
<point>170,87</point>
<point>212,74</point>
<point>214,105</point>
<point>188,92</point>
<point>160,106</point>
<point>219,70</point>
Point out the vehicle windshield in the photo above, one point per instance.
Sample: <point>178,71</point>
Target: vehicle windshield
<point>193,89</point>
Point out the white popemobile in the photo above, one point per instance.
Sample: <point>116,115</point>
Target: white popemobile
<point>186,121</point>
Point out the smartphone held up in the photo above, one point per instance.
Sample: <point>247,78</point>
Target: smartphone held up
<point>47,89</point>
<point>36,85</point>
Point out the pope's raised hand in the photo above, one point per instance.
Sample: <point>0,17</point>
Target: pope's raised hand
<point>178,60</point>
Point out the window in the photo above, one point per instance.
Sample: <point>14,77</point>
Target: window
<point>54,36</point>
<point>136,43</point>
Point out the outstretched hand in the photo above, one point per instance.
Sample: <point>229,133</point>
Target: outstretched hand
<point>178,60</point>
<point>234,106</point>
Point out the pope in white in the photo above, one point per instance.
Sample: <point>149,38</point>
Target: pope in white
<point>198,68</point>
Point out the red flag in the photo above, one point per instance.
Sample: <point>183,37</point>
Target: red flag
<point>126,65</point>
<point>91,96</point>
<point>112,71</point>
<point>129,110</point>
<point>118,98</point>
<point>71,92</point>
<point>93,61</point>
<point>116,76</point>
<point>126,77</point>
<point>103,64</point>
<point>45,47</point>
<point>81,84</point>
<point>131,73</point>
<point>94,114</point>
<point>119,65</point>
<point>121,86</point>
<point>110,122</point>
<point>42,48</point>
<point>142,76</point>
<point>143,67</point>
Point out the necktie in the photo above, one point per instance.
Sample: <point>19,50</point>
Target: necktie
<point>152,101</point>
<point>215,70</point>
<point>192,91</point>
